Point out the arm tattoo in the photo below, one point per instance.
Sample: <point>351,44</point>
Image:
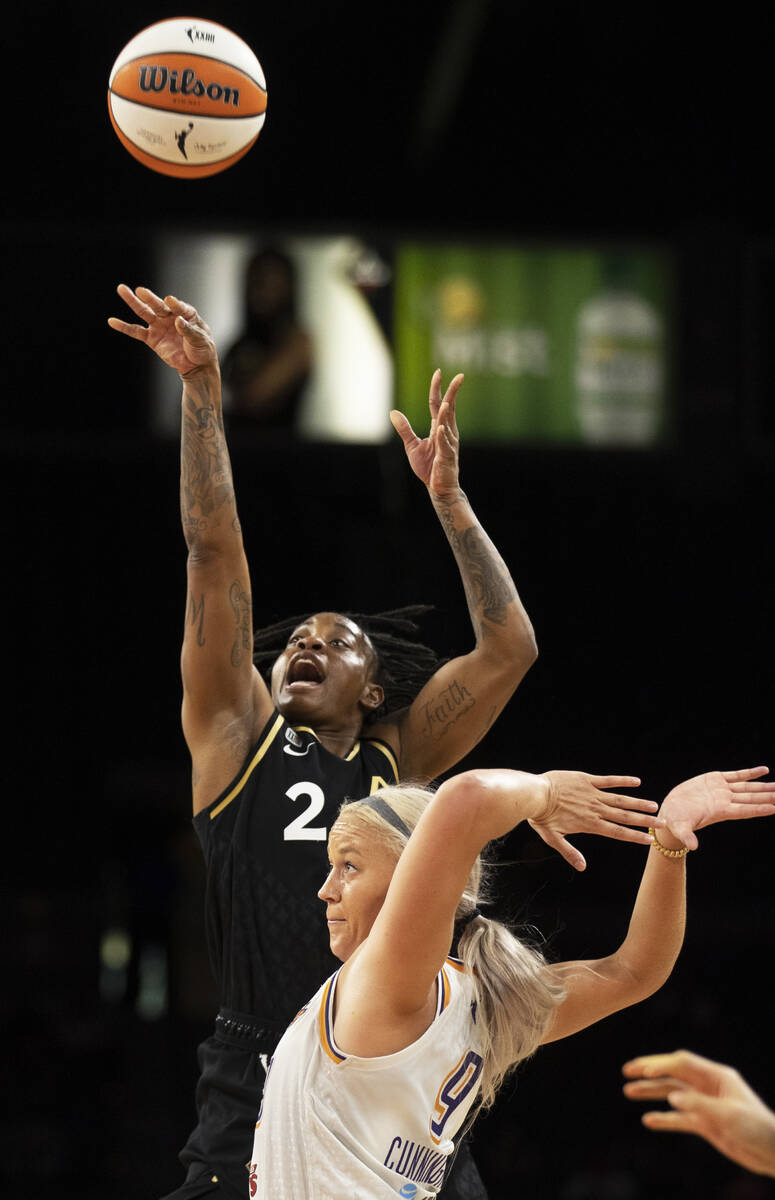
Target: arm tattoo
<point>488,585</point>
<point>240,603</point>
<point>205,475</point>
<point>198,618</point>
<point>444,710</point>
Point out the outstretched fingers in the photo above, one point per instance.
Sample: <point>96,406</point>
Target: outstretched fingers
<point>630,815</point>
<point>753,799</point>
<point>563,847</point>
<point>617,781</point>
<point>138,332</point>
<point>744,775</point>
<point>141,310</point>
<point>450,396</point>
<point>403,428</point>
<point>630,804</point>
<point>672,1121</point>
<point>747,807</point>
<point>435,399</point>
<point>625,810</point>
<point>434,394</point>
<point>153,303</point>
<point>759,796</point>
<point>446,431</point>
<point>145,304</point>
<point>138,306</point>
<point>620,833</point>
<point>652,1089</point>
<point>181,308</point>
<point>679,1067</point>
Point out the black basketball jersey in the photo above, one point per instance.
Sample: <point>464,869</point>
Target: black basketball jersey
<point>265,846</point>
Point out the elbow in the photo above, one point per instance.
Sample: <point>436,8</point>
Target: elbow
<point>522,650</point>
<point>510,654</point>
<point>482,802</point>
<point>649,987</point>
<point>514,665</point>
<point>644,984</point>
<point>463,792</point>
<point>528,643</point>
<point>530,652</point>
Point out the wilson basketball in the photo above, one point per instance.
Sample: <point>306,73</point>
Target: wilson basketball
<point>187,97</point>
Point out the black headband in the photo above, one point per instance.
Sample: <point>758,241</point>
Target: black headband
<point>387,813</point>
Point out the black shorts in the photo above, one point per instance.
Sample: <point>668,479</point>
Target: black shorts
<point>463,1181</point>
<point>201,1181</point>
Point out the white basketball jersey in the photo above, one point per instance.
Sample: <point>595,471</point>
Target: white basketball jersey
<point>334,1126</point>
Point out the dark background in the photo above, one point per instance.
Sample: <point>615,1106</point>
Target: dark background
<point>646,573</point>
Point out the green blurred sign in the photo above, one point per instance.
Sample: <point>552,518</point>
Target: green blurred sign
<point>556,344</point>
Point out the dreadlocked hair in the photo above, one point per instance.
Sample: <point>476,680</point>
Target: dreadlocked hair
<point>404,665</point>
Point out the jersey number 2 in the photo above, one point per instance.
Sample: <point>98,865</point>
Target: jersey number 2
<point>300,829</point>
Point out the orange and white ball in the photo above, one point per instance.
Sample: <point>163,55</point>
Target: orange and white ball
<point>187,97</point>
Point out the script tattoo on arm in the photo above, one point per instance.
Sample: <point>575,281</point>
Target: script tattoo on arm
<point>240,602</point>
<point>488,585</point>
<point>441,713</point>
<point>198,618</point>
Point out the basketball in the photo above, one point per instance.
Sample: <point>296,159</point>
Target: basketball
<point>187,97</point>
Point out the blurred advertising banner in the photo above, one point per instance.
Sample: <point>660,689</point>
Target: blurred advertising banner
<point>557,345</point>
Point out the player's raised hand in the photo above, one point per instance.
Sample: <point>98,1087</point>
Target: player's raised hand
<point>706,1098</point>
<point>434,459</point>
<point>173,329</point>
<point>716,796</point>
<point>581,803</point>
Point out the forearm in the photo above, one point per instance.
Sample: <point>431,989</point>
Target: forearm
<point>207,501</point>
<point>656,930</point>
<point>489,803</point>
<point>498,617</point>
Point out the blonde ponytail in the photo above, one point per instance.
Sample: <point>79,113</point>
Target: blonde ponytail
<point>517,990</point>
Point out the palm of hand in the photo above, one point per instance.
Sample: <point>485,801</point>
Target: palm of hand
<point>741,1126</point>
<point>172,347</point>
<point>700,801</point>
<point>421,459</point>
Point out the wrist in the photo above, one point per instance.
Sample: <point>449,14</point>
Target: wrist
<point>666,843</point>
<point>209,373</point>
<point>541,804</point>
<point>445,497</point>
<point>668,839</point>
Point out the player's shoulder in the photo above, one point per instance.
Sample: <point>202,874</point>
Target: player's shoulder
<point>386,732</point>
<point>381,741</point>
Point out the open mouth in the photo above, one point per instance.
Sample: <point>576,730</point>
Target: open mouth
<point>304,671</point>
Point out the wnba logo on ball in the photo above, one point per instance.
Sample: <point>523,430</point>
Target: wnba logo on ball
<point>185,83</point>
<point>199,35</point>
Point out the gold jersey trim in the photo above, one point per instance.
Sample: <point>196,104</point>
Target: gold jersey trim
<point>388,754</point>
<point>256,759</point>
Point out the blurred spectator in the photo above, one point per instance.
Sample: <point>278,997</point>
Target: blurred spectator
<point>266,369</point>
